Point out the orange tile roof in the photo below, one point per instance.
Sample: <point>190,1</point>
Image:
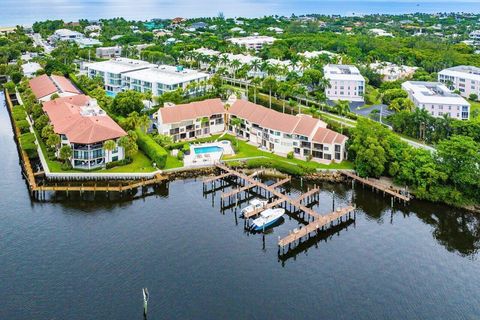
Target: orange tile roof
<point>327,136</point>
<point>66,118</point>
<point>42,86</point>
<point>191,111</point>
<point>274,120</point>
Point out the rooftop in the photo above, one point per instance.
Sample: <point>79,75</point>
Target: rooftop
<point>166,74</point>
<point>81,120</point>
<point>433,92</point>
<point>469,72</point>
<point>45,85</point>
<point>191,111</point>
<point>342,72</point>
<point>119,65</point>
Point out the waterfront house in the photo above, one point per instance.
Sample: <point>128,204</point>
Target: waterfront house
<point>45,86</point>
<point>303,135</point>
<point>193,120</point>
<point>84,126</point>
<point>346,82</point>
<point>465,79</point>
<point>437,99</point>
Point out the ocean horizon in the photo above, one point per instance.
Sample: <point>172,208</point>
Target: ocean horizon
<point>26,12</point>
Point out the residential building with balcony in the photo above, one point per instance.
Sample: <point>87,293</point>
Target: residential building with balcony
<point>282,133</point>
<point>465,79</point>
<point>346,82</point>
<point>84,126</point>
<point>193,120</point>
<point>437,99</point>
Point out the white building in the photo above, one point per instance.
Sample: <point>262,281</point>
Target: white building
<point>30,68</point>
<point>392,72</point>
<point>128,74</point>
<point>66,35</point>
<point>282,133</point>
<point>437,99</point>
<point>465,79</point>
<point>276,30</point>
<point>346,82</point>
<point>255,42</point>
<point>475,35</point>
<point>193,120</point>
<point>87,42</point>
<point>380,33</point>
<point>108,52</point>
<point>316,54</point>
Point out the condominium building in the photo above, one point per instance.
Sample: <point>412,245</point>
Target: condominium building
<point>193,120</point>
<point>44,86</point>
<point>84,126</point>
<point>66,35</point>
<point>128,74</point>
<point>108,52</point>
<point>282,133</point>
<point>465,79</point>
<point>346,82</point>
<point>437,99</point>
<point>392,72</point>
<point>255,42</point>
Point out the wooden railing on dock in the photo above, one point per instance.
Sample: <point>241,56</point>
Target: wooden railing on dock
<point>378,186</point>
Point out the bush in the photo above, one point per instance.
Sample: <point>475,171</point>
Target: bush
<point>23,125</point>
<point>288,168</point>
<point>290,155</point>
<point>180,155</point>
<point>118,163</point>
<point>153,150</point>
<point>27,143</point>
<point>67,165</point>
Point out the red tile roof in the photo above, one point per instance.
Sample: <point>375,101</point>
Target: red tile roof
<point>327,136</point>
<point>43,86</point>
<point>271,119</point>
<point>191,111</point>
<point>66,117</point>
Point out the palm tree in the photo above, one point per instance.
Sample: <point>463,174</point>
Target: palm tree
<point>109,146</point>
<point>144,122</point>
<point>342,107</point>
<point>300,91</point>
<point>235,64</point>
<point>255,66</point>
<point>270,84</point>
<point>255,83</point>
<point>284,88</point>
<point>236,122</point>
<point>224,60</point>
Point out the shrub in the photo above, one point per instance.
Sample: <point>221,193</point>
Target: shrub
<point>153,150</point>
<point>118,163</point>
<point>23,125</point>
<point>27,143</point>
<point>180,155</point>
<point>186,148</point>
<point>292,169</point>
<point>67,165</point>
<point>290,155</point>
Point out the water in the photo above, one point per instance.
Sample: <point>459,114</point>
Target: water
<point>28,11</point>
<point>209,149</point>
<point>88,259</point>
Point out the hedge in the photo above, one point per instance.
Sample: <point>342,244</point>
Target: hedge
<point>27,143</point>
<point>118,163</point>
<point>23,125</point>
<point>152,149</point>
<point>292,169</point>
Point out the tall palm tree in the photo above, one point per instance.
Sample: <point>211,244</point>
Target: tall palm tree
<point>234,65</point>
<point>144,122</point>
<point>109,146</point>
<point>255,83</point>
<point>270,84</point>
<point>284,88</point>
<point>256,64</point>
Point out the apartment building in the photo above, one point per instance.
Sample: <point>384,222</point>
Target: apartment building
<point>437,99</point>
<point>283,133</point>
<point>346,82</point>
<point>128,74</point>
<point>193,120</point>
<point>465,79</point>
<point>108,52</point>
<point>254,42</point>
<point>84,126</point>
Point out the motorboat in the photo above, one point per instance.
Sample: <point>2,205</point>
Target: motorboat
<point>267,218</point>
<point>253,205</point>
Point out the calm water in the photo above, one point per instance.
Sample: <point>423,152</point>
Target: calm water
<point>85,259</point>
<point>28,11</point>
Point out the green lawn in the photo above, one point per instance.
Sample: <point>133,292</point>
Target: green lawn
<point>173,162</point>
<point>246,150</point>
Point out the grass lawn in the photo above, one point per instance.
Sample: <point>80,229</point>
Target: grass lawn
<point>246,150</point>
<point>173,162</point>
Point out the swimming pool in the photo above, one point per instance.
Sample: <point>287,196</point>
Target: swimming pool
<point>110,94</point>
<point>208,149</point>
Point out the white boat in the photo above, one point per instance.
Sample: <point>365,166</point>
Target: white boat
<point>254,205</point>
<point>267,218</point>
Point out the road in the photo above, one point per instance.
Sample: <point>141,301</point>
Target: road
<point>37,39</point>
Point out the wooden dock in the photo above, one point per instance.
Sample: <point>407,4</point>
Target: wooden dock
<point>315,220</point>
<point>315,226</point>
<point>375,185</point>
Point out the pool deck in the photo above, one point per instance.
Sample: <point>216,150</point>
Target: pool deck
<point>207,158</point>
